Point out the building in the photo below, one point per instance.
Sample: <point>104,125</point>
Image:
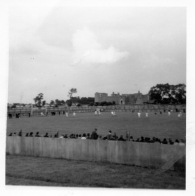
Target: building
<point>136,98</point>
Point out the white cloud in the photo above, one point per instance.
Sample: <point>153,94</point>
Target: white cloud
<point>87,49</point>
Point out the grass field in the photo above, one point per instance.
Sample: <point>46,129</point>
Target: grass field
<point>33,171</point>
<point>161,126</point>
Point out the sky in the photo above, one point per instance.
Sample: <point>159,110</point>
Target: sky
<point>94,49</point>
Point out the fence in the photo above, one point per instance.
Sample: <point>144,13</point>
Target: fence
<point>149,107</point>
<point>133,153</point>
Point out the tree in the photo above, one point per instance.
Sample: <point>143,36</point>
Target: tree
<point>38,100</point>
<point>63,102</point>
<point>52,102</point>
<point>43,103</point>
<point>70,93</point>
<point>168,94</point>
<point>69,103</point>
<point>57,102</point>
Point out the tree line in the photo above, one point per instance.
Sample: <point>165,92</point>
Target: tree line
<point>168,94</point>
<point>159,94</point>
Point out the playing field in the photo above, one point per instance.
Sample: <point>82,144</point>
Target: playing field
<point>162,126</point>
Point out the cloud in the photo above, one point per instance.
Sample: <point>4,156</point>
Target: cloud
<point>87,49</point>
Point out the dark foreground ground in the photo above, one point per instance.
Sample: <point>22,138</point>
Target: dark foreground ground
<point>32,171</point>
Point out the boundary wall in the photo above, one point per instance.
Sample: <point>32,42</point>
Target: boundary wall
<point>153,155</point>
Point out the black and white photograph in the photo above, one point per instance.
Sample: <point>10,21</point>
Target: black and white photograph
<point>96,97</point>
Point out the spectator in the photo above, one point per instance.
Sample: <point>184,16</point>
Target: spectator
<point>88,136</point>
<point>121,138</point>
<point>61,137</point>
<point>109,136</point>
<point>56,135</point>
<point>17,115</point>
<point>115,137</point>
<point>127,136</point>
<point>131,139</point>
<point>176,142</point>
<point>142,139</point>
<point>31,134</point>
<point>137,140</point>
<point>153,139</point>
<point>65,136</point>
<point>20,133</point>
<point>158,140</point>
<point>94,135</point>
<point>71,136</point>
<point>46,135</point>
<point>84,136</point>
<point>164,141</point>
<point>170,142</point>
<point>37,135</point>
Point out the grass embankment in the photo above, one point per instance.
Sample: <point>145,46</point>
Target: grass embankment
<point>21,170</point>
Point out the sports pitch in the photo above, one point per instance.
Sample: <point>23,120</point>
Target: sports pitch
<point>161,126</point>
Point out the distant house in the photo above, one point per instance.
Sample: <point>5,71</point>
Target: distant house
<point>28,105</point>
<point>47,105</point>
<point>9,105</point>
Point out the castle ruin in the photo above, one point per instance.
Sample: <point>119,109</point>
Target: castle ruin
<point>123,99</point>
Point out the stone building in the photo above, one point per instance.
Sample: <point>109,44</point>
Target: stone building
<point>136,98</point>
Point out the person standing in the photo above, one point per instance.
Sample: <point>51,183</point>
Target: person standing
<point>127,136</point>
<point>146,114</point>
<point>109,136</point>
<point>169,113</point>
<point>94,135</point>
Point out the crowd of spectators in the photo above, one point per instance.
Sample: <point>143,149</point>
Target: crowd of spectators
<point>109,136</point>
